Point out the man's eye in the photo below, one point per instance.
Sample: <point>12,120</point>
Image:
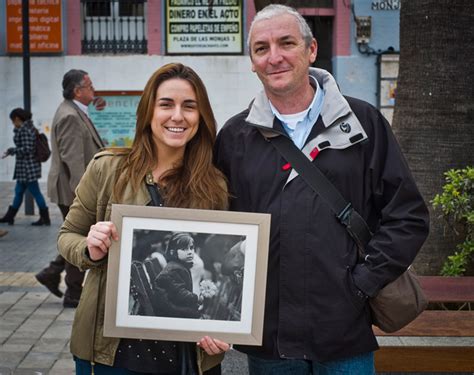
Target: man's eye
<point>259,49</point>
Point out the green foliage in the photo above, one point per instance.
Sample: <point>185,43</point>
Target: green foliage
<point>457,205</point>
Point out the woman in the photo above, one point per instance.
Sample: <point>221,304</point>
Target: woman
<point>169,163</point>
<point>27,168</point>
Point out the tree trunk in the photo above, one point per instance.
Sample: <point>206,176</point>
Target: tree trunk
<point>434,111</point>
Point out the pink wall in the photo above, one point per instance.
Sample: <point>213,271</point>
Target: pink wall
<point>73,20</point>
<point>342,28</point>
<point>154,26</point>
<point>250,14</point>
<point>342,23</point>
<point>316,11</point>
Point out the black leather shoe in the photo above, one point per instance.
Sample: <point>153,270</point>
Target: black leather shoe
<point>70,303</point>
<point>51,282</point>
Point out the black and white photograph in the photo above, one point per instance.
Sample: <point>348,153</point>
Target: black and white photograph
<point>177,274</point>
<point>187,275</point>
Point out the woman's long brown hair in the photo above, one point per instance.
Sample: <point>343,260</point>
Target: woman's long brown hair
<point>196,183</point>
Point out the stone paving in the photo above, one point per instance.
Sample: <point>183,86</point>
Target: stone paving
<point>34,326</point>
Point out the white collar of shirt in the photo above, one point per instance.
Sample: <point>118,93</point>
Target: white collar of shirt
<point>82,107</point>
<point>291,120</point>
<point>299,125</point>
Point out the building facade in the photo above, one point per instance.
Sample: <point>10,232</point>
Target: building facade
<point>121,43</point>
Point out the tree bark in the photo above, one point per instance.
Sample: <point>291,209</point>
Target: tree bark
<point>434,111</point>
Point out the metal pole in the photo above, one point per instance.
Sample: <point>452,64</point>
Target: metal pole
<point>29,205</point>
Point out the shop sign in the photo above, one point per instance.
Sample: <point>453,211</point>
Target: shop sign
<point>204,27</point>
<point>117,121</point>
<point>386,5</point>
<point>45,26</point>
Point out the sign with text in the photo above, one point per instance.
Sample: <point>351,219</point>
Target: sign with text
<point>204,27</point>
<point>45,26</point>
<point>116,122</point>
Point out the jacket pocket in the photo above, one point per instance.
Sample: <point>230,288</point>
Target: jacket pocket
<point>357,298</point>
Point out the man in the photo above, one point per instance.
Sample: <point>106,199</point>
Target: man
<point>317,318</point>
<point>74,141</point>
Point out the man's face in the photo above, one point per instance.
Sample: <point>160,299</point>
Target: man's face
<point>84,93</point>
<point>279,55</point>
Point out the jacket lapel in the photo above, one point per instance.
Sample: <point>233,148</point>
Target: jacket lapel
<point>90,126</point>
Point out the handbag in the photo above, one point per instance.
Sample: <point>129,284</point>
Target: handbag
<point>399,302</point>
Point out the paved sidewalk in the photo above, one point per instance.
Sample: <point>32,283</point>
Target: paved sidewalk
<point>34,326</point>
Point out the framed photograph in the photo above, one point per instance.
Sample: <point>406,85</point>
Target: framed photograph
<point>180,274</point>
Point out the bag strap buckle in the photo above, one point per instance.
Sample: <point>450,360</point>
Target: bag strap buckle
<point>345,215</point>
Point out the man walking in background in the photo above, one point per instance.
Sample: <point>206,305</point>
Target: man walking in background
<point>74,141</point>
<point>317,317</point>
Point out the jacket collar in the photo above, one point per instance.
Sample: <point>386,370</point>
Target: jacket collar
<point>90,126</point>
<point>335,105</point>
<point>342,127</point>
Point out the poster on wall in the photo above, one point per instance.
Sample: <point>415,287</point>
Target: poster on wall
<point>388,84</point>
<point>116,122</point>
<point>204,27</point>
<point>45,26</point>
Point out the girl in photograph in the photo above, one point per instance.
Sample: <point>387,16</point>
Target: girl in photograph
<point>169,164</point>
<point>176,280</point>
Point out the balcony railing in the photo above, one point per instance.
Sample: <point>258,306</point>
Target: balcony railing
<point>114,26</point>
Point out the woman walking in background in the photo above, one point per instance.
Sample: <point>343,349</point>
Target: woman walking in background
<point>27,168</point>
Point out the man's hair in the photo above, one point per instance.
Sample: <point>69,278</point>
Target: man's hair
<point>275,10</point>
<point>71,80</point>
<point>21,113</point>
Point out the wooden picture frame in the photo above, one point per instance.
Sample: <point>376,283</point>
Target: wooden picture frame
<point>142,302</point>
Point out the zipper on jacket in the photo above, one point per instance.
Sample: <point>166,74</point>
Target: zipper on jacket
<point>92,368</point>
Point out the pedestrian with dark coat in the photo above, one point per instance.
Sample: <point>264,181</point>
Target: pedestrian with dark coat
<point>317,314</point>
<point>27,167</point>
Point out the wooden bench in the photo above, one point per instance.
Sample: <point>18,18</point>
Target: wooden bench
<point>438,340</point>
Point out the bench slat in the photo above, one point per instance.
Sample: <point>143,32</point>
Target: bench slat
<point>431,323</point>
<point>437,323</point>
<point>448,289</point>
<point>425,359</point>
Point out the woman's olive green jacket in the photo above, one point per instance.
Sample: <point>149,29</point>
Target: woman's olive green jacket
<point>93,203</point>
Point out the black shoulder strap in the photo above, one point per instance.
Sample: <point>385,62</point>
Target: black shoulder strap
<point>354,223</point>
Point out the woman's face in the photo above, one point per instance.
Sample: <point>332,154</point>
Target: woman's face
<point>176,117</point>
<point>186,255</point>
<point>17,122</point>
